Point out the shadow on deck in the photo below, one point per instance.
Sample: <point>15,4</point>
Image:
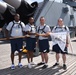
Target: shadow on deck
<point>34,71</point>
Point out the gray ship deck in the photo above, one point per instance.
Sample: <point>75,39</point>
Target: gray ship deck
<point>36,70</point>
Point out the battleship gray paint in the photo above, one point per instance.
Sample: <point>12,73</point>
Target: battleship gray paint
<point>53,10</point>
<point>70,2</point>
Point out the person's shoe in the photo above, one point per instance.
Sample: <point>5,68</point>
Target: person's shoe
<point>56,64</point>
<point>32,63</point>
<point>29,65</point>
<point>12,66</point>
<point>64,67</point>
<point>20,65</point>
<point>41,63</point>
<point>45,66</point>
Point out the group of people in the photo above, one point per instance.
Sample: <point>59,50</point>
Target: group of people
<point>38,36</point>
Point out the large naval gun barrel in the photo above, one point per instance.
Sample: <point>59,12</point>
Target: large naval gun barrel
<point>14,3</point>
<point>6,13</point>
<point>25,9</point>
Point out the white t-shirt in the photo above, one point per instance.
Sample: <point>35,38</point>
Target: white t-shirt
<point>30,28</point>
<point>16,29</point>
<point>58,29</point>
<point>42,30</point>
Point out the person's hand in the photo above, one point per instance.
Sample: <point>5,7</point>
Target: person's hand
<point>37,34</point>
<point>7,38</point>
<point>67,44</point>
<point>27,35</point>
<point>49,33</point>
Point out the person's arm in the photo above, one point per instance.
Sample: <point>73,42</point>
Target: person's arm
<point>30,33</point>
<point>23,28</point>
<point>67,40</point>
<point>47,30</point>
<point>28,30</point>
<point>8,28</point>
<point>45,34</point>
<point>7,34</point>
<point>67,37</point>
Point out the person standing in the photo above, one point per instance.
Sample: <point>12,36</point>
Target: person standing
<point>56,48</point>
<point>30,41</point>
<point>43,43</point>
<point>16,29</point>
